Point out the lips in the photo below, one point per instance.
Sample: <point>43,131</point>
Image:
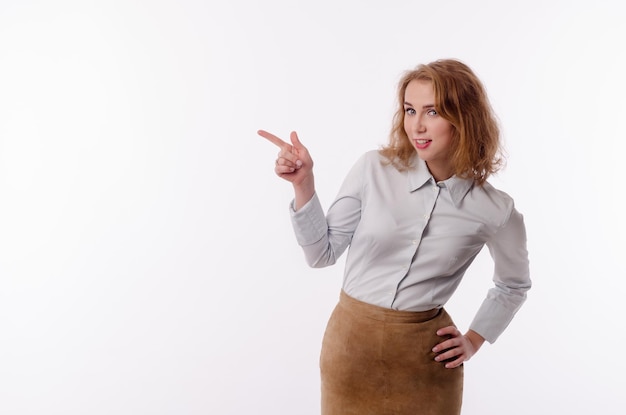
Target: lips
<point>422,143</point>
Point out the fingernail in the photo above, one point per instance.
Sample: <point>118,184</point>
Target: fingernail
<point>298,163</point>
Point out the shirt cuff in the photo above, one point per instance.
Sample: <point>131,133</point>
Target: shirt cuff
<point>309,222</point>
<point>491,320</point>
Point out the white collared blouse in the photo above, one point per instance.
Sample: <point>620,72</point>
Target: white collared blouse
<point>411,239</point>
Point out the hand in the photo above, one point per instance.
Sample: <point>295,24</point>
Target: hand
<point>458,348</point>
<point>293,163</point>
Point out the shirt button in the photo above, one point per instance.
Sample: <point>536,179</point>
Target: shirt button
<point>426,216</point>
<point>414,242</point>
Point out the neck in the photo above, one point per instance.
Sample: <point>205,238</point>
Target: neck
<point>440,172</point>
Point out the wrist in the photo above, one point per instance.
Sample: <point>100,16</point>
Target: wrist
<point>306,183</point>
<point>476,339</point>
<point>304,191</point>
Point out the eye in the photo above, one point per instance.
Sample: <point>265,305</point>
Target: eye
<point>431,112</point>
<point>409,111</point>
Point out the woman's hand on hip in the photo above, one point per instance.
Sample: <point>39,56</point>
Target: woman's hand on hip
<point>458,347</point>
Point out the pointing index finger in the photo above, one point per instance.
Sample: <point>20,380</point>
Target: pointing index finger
<point>272,138</point>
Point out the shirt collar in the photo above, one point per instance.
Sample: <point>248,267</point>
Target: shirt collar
<point>419,176</point>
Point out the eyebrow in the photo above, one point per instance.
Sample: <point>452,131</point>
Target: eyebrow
<point>424,107</point>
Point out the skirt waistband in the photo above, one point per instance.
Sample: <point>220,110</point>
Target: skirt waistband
<point>385,314</point>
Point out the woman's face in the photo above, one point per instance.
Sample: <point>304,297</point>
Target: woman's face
<point>430,134</point>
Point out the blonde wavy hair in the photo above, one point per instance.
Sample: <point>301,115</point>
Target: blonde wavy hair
<point>461,99</point>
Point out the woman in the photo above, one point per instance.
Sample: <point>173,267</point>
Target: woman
<point>415,214</point>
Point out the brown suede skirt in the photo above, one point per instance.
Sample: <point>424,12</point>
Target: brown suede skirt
<point>378,361</point>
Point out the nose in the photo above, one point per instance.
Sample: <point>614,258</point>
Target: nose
<point>417,125</point>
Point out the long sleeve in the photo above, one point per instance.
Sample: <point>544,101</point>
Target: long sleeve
<point>511,279</point>
<point>324,238</point>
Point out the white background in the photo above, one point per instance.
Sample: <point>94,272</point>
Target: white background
<point>147,261</point>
